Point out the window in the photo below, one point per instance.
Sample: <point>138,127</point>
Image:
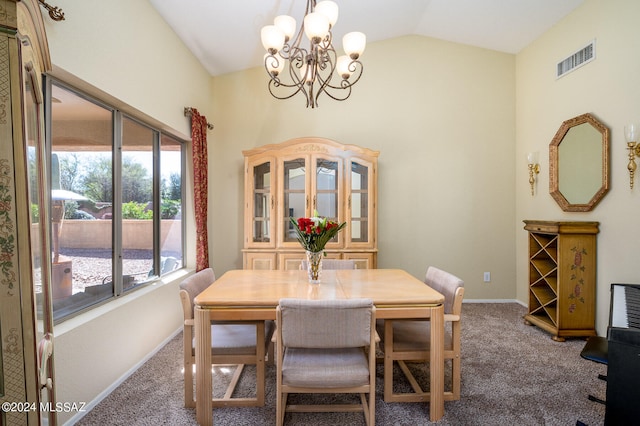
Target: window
<point>116,194</point>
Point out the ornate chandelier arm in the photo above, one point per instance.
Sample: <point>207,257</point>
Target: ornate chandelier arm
<point>276,67</point>
<point>337,93</point>
<point>328,64</point>
<point>273,84</point>
<point>276,86</point>
<point>345,91</point>
<point>354,66</point>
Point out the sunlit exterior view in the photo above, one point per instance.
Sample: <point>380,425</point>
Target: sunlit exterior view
<point>116,191</point>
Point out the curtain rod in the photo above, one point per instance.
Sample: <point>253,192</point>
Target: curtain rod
<point>188,111</point>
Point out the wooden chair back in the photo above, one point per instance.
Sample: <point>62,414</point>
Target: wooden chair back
<point>326,346</point>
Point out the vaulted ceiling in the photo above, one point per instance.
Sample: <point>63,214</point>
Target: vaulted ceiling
<point>225,35</point>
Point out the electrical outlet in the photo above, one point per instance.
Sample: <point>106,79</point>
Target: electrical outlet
<point>487,277</point>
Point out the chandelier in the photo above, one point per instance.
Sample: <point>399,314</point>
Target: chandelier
<point>295,68</point>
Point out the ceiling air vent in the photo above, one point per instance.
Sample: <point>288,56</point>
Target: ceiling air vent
<point>578,59</point>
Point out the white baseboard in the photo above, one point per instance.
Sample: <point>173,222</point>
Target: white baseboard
<point>102,395</point>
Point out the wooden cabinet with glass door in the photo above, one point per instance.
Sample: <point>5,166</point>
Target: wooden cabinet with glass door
<point>296,178</point>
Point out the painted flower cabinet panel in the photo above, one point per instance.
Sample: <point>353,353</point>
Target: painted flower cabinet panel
<point>562,277</point>
<point>296,178</point>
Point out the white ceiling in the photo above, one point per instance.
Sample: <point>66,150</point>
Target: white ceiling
<point>225,35</point>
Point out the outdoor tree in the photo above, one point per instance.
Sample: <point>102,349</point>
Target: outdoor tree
<point>172,189</point>
<point>136,181</point>
<point>97,182</point>
<point>137,184</point>
<point>70,172</point>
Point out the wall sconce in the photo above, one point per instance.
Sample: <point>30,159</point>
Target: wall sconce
<point>534,167</point>
<point>631,134</point>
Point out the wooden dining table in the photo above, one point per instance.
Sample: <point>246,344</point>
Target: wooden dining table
<point>240,295</point>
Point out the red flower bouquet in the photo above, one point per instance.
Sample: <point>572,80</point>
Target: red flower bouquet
<point>314,233</point>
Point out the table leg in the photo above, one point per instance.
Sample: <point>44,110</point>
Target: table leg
<point>436,362</point>
<point>203,366</point>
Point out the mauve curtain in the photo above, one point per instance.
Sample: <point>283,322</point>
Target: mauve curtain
<point>200,186</point>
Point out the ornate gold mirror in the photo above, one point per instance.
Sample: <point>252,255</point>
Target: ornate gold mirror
<point>579,164</point>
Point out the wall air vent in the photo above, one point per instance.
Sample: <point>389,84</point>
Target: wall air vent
<point>578,59</point>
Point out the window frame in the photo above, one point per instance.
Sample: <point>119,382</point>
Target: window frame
<point>119,112</point>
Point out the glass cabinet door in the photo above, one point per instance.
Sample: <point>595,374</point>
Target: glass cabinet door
<point>360,226</point>
<point>327,183</point>
<point>262,203</point>
<point>295,197</point>
<point>325,199</point>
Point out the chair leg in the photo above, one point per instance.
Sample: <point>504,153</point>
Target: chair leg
<point>270,353</point>
<point>281,405</point>
<point>455,377</point>
<point>189,400</point>
<point>368,408</point>
<point>260,385</point>
<point>271,350</point>
<point>278,408</point>
<point>260,354</point>
<point>189,361</point>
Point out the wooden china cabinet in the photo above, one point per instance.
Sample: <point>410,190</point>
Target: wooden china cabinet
<point>297,177</point>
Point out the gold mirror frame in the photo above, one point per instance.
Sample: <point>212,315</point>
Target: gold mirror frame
<point>554,164</point>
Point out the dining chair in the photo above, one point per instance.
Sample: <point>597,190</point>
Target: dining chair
<point>232,343</point>
<point>406,341</point>
<point>333,264</point>
<point>329,264</point>
<point>326,347</point>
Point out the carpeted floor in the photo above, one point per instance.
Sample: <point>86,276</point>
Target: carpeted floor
<point>512,374</point>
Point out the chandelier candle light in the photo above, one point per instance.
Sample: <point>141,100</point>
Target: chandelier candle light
<point>293,69</point>
<point>314,233</point>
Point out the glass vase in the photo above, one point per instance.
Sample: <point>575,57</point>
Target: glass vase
<point>314,266</point>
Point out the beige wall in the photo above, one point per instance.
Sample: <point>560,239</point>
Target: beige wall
<point>608,88</point>
<point>124,48</point>
<point>452,176</point>
<point>442,116</point>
